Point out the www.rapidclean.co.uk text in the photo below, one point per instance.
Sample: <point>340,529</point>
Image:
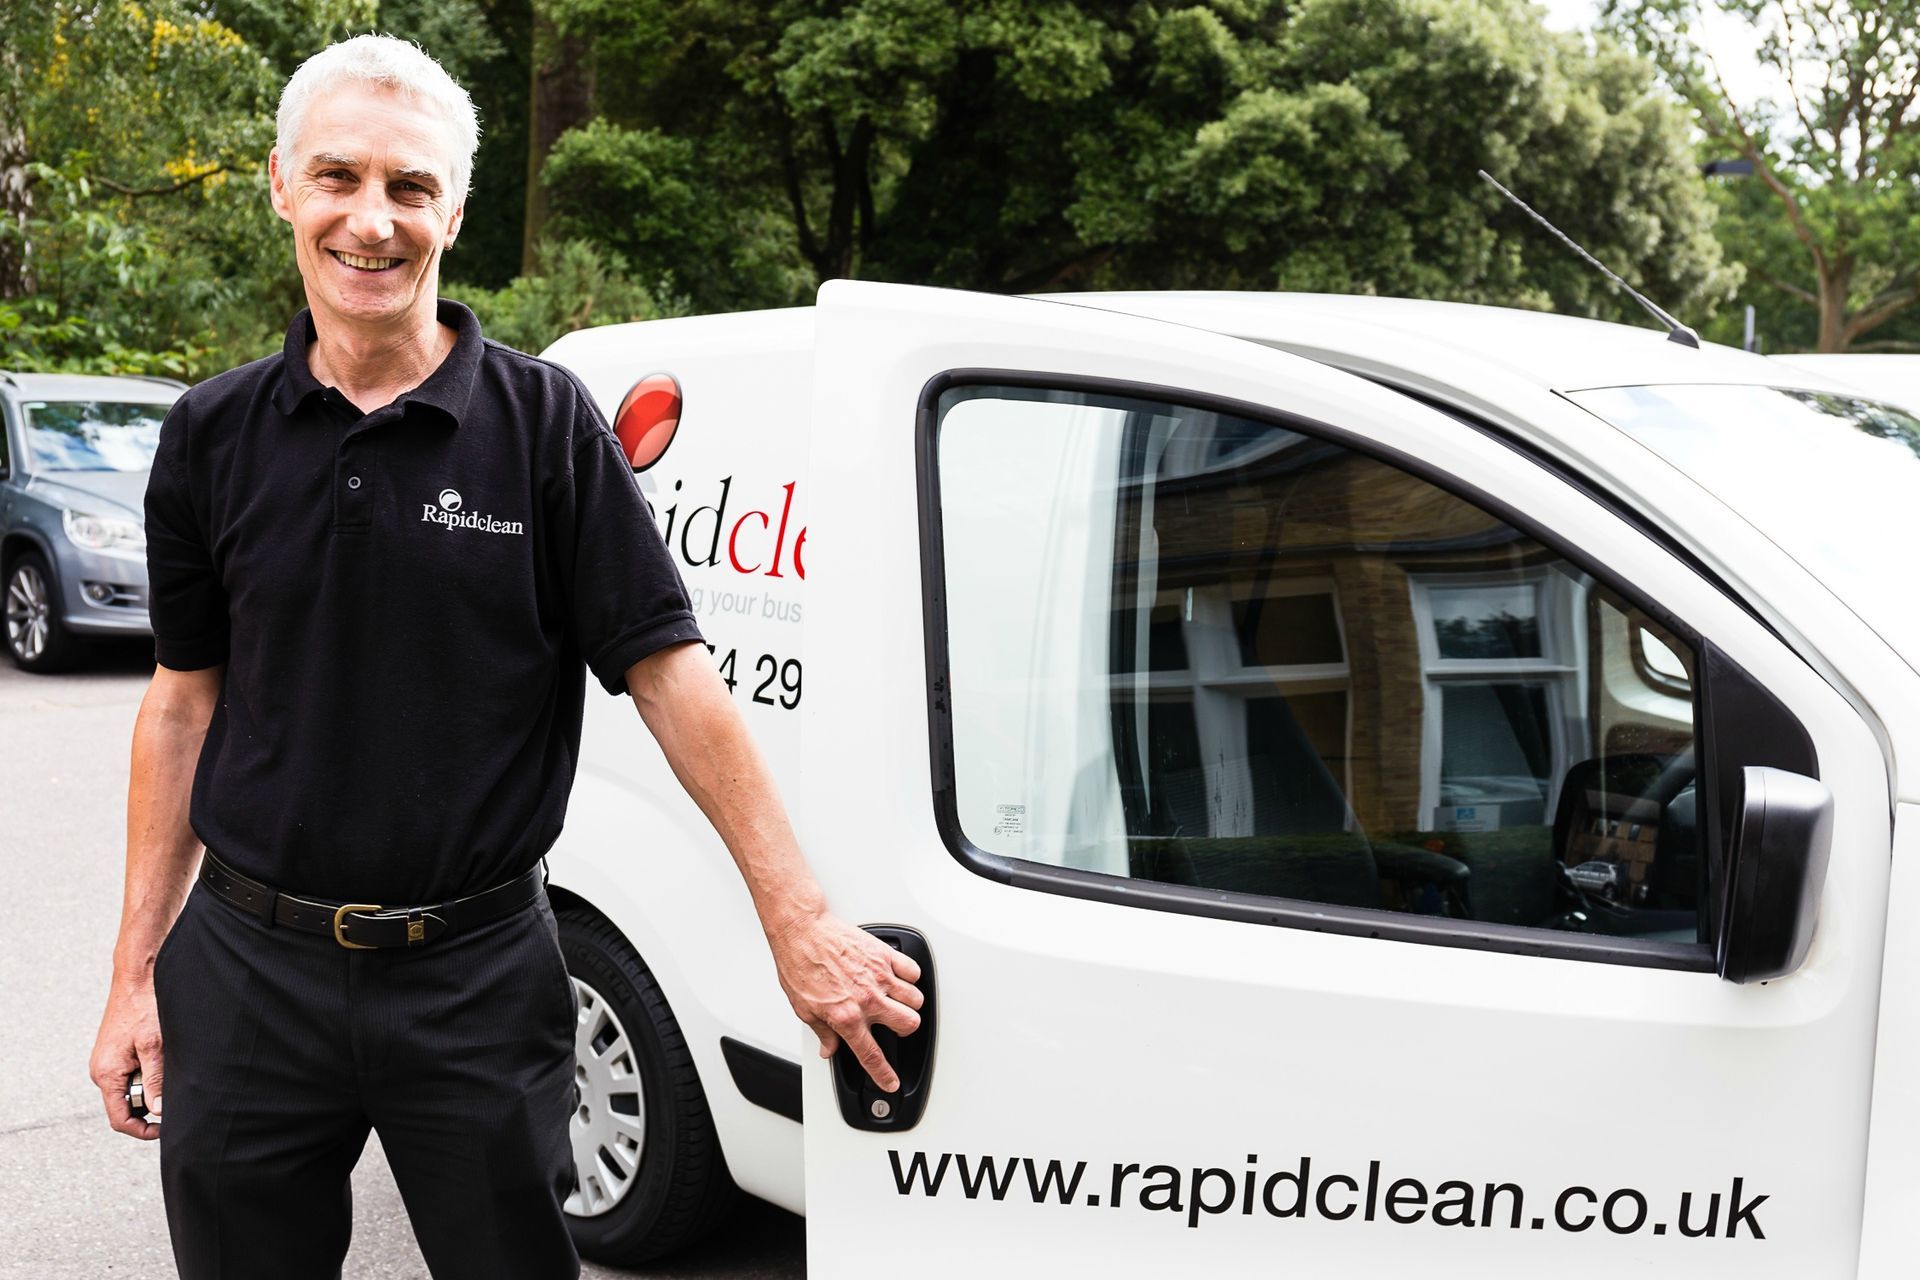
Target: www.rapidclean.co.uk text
<point>1299,1191</point>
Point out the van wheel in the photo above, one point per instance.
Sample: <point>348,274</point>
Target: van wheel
<point>650,1177</point>
<point>36,637</point>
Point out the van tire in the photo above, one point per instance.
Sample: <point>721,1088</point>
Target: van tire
<point>682,1188</point>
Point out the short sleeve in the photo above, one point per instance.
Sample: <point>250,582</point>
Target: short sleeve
<point>627,598</point>
<point>186,600</point>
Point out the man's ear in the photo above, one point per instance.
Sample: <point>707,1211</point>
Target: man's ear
<point>453,225</point>
<point>277,186</point>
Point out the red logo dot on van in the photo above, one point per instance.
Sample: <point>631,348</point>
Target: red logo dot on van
<point>649,415</point>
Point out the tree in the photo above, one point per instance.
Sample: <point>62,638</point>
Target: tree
<point>137,135</point>
<point>27,42</point>
<point>748,150</point>
<point>1830,221</point>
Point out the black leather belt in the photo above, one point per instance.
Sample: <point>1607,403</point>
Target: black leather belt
<point>362,926</point>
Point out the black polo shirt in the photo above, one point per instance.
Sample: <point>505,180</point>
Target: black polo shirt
<point>407,602</point>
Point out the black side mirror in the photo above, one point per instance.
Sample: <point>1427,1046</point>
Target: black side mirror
<point>1782,834</point>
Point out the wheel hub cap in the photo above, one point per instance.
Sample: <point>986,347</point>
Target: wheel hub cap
<point>609,1125</point>
<point>27,611</point>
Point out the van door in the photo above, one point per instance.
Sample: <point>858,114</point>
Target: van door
<point>1315,814</point>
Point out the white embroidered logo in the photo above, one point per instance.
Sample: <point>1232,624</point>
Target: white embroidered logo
<point>448,516</point>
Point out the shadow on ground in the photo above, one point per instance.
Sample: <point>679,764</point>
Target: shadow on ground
<point>755,1242</point>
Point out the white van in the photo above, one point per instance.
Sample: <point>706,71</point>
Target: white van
<point>1379,785</point>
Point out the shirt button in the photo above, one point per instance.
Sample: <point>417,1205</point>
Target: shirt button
<point>353,482</point>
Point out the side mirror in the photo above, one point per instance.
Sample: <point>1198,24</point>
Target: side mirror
<point>1782,834</point>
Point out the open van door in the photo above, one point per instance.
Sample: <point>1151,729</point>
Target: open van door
<point>1328,829</point>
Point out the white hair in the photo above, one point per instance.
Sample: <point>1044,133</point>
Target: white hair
<point>392,64</point>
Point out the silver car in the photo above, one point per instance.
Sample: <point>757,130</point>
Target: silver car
<point>74,457</point>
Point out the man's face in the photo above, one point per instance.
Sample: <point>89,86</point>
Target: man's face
<point>368,190</point>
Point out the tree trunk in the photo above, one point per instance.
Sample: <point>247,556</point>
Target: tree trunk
<point>16,189</point>
<point>1836,279</point>
<point>852,200</point>
<point>561,97</point>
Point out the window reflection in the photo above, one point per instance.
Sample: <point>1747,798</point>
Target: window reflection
<point>1832,480</point>
<point>92,436</point>
<point>1209,651</point>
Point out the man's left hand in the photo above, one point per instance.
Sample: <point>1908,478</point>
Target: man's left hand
<point>841,981</point>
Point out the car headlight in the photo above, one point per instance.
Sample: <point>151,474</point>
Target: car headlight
<point>104,533</point>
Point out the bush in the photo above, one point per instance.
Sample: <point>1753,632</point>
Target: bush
<point>575,286</point>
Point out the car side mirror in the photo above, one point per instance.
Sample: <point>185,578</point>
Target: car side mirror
<point>1782,834</point>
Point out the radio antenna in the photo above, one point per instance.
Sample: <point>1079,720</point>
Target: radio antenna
<point>1676,332</point>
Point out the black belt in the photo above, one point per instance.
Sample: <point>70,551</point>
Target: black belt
<point>361,926</point>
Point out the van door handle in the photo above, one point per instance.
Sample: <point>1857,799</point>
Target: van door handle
<point>864,1104</point>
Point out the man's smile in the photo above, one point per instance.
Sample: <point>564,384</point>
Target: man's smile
<point>359,263</point>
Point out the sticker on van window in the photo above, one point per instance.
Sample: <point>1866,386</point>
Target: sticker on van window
<point>1467,817</point>
<point>1009,819</point>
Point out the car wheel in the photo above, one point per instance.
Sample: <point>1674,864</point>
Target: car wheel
<point>36,637</point>
<point>650,1177</point>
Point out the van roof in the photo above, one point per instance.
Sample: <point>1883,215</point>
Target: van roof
<point>1559,352</point>
<point>1893,378</point>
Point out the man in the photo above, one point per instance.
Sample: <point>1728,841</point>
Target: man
<point>354,706</point>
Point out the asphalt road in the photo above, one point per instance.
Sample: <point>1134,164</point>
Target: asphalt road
<point>77,1199</point>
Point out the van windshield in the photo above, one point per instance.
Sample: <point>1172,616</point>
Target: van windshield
<point>93,435</point>
<point>1832,479</point>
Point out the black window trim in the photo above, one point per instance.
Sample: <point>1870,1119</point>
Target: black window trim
<point>1224,904</point>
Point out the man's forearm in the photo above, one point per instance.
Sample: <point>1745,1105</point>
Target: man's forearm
<point>706,742</point>
<point>841,981</point>
<point>161,847</point>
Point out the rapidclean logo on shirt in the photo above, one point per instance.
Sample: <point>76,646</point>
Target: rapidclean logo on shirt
<point>448,515</point>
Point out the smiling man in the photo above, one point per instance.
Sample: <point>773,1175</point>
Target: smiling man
<point>383,564</point>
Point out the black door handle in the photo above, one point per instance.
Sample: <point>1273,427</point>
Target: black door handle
<point>864,1104</point>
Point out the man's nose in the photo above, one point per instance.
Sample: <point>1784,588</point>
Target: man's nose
<point>370,219</point>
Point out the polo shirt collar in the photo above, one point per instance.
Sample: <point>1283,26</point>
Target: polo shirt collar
<point>448,389</point>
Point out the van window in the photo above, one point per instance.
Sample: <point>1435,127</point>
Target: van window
<point>1212,652</point>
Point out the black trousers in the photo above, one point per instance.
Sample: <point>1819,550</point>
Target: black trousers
<point>283,1049</point>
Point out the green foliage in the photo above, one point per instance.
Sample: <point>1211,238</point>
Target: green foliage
<point>653,198</point>
<point>737,152</point>
<point>1011,146</point>
<point>148,243</point>
<point>576,286</point>
<point>284,33</point>
<point>1828,227</point>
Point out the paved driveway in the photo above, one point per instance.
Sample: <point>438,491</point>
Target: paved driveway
<point>77,1199</point>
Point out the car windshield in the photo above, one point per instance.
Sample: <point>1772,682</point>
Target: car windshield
<point>1832,479</point>
<point>92,435</point>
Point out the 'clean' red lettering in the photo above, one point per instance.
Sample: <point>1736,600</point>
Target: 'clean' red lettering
<point>733,539</point>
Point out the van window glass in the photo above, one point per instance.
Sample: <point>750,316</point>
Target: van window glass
<point>1213,652</point>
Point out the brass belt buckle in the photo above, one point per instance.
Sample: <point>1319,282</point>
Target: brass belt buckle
<point>339,917</point>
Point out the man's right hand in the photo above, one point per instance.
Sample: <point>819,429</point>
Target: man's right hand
<point>129,1041</point>
<point>162,852</point>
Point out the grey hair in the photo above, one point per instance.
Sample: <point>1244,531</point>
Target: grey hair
<point>393,64</point>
